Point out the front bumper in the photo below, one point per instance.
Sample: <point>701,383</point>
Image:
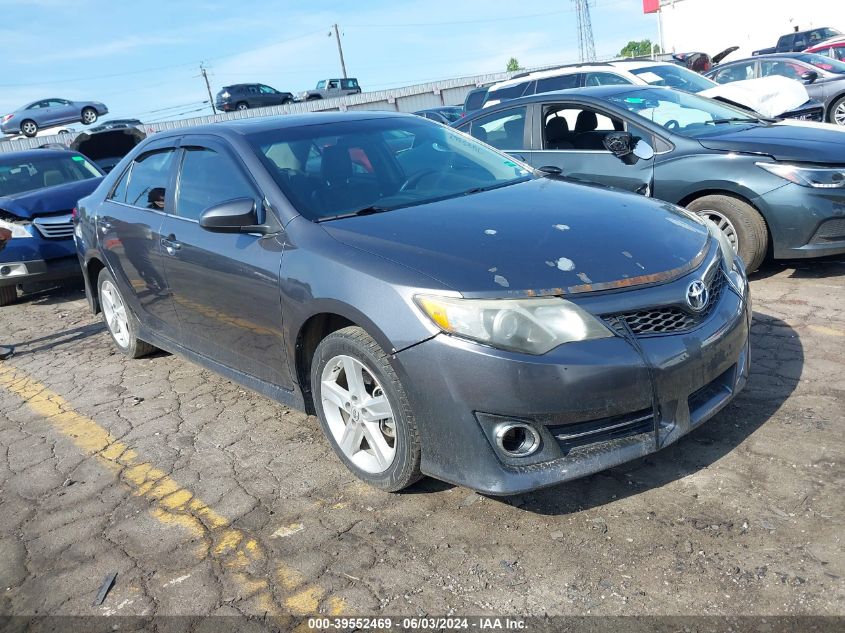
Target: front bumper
<point>31,260</point>
<point>804,222</point>
<point>595,404</point>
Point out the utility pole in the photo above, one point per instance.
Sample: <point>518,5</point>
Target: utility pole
<point>339,49</point>
<point>208,87</point>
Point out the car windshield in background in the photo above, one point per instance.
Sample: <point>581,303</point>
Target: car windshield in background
<point>17,176</point>
<point>674,77</point>
<point>821,61</point>
<point>681,112</point>
<point>359,167</point>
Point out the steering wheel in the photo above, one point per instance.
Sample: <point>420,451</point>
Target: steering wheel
<point>413,181</point>
<point>672,124</point>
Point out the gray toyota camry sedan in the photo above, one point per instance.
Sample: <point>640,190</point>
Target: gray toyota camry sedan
<point>441,308</point>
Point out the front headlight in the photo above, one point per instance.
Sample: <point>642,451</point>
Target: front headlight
<point>815,177</point>
<point>225,95</point>
<point>17,229</point>
<point>534,326</point>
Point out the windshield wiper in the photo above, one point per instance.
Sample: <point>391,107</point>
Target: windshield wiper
<point>736,120</point>
<point>371,210</point>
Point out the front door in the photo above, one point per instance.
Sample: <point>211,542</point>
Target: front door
<point>129,229</point>
<point>570,136</point>
<point>225,285</point>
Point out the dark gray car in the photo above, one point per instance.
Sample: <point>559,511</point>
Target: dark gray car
<point>772,186</point>
<point>823,77</point>
<point>246,96</point>
<point>441,308</point>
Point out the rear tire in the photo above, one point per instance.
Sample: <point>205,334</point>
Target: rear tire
<point>29,128</point>
<point>8,294</point>
<point>242,105</point>
<point>836,114</point>
<point>119,319</point>
<point>372,430</point>
<point>749,233</point>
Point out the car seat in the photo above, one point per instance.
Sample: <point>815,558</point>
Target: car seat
<point>557,134</point>
<point>586,136</point>
<point>52,177</point>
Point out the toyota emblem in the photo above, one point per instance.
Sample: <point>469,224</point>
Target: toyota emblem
<point>697,295</point>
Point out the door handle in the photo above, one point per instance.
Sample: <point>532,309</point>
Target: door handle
<point>170,244</point>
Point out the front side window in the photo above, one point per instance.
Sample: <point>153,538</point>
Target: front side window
<point>321,84</point>
<point>574,127</point>
<point>380,164</point>
<point>502,130</point>
<point>673,76</point>
<point>149,178</point>
<point>783,68</point>
<point>820,61</point>
<point>267,90</point>
<point>18,176</point>
<point>208,178</point>
<point>475,100</point>
<point>333,84</point>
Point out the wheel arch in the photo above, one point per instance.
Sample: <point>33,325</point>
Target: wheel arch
<point>92,271</point>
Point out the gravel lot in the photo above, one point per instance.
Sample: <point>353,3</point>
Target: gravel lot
<point>206,498</point>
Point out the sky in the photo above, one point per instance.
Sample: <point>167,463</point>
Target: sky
<point>143,59</point>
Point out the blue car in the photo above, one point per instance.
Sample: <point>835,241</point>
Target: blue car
<point>49,112</point>
<point>38,192</point>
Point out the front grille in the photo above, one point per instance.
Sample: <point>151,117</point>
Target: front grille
<point>570,436</point>
<point>672,319</point>
<point>55,227</point>
<point>830,231</point>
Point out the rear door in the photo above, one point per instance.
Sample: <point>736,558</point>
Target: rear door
<point>129,230</point>
<point>225,285</point>
<point>570,135</point>
<point>508,129</point>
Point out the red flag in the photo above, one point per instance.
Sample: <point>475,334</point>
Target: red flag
<point>651,6</point>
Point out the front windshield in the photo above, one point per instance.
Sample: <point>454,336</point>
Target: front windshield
<point>20,175</point>
<point>380,164</point>
<point>673,76</point>
<point>823,62</point>
<point>681,112</point>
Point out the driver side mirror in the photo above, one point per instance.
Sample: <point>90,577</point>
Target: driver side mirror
<point>233,216</point>
<point>809,77</point>
<point>627,148</point>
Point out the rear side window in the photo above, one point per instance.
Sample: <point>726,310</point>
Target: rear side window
<point>349,84</point>
<point>208,178</point>
<point>561,82</point>
<point>735,72</point>
<point>785,42</point>
<point>503,130</point>
<point>149,178</point>
<point>509,92</point>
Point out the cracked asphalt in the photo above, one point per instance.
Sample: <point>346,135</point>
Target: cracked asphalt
<point>209,499</point>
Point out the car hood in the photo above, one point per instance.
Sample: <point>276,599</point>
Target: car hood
<point>770,96</point>
<point>789,139</point>
<point>31,204</point>
<point>541,237</point>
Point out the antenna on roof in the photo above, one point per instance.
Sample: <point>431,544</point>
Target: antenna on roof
<point>586,44</point>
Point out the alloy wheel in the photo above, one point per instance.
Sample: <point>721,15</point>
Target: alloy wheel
<point>358,414</point>
<point>114,311</point>
<point>29,128</point>
<point>839,114</point>
<point>89,116</point>
<point>725,226</point>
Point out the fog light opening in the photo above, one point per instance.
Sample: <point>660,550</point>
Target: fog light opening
<point>5,270</point>
<point>517,440</point>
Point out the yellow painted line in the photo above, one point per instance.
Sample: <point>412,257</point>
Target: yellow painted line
<point>827,331</point>
<point>173,504</point>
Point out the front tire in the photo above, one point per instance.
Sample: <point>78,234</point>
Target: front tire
<point>740,222</point>
<point>364,411</point>
<point>8,294</point>
<point>29,128</point>
<point>837,112</point>
<point>89,116</point>
<point>120,322</point>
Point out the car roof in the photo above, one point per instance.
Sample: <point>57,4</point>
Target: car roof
<point>27,154</point>
<point>633,64</point>
<point>592,93</point>
<point>549,72</point>
<point>241,127</point>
